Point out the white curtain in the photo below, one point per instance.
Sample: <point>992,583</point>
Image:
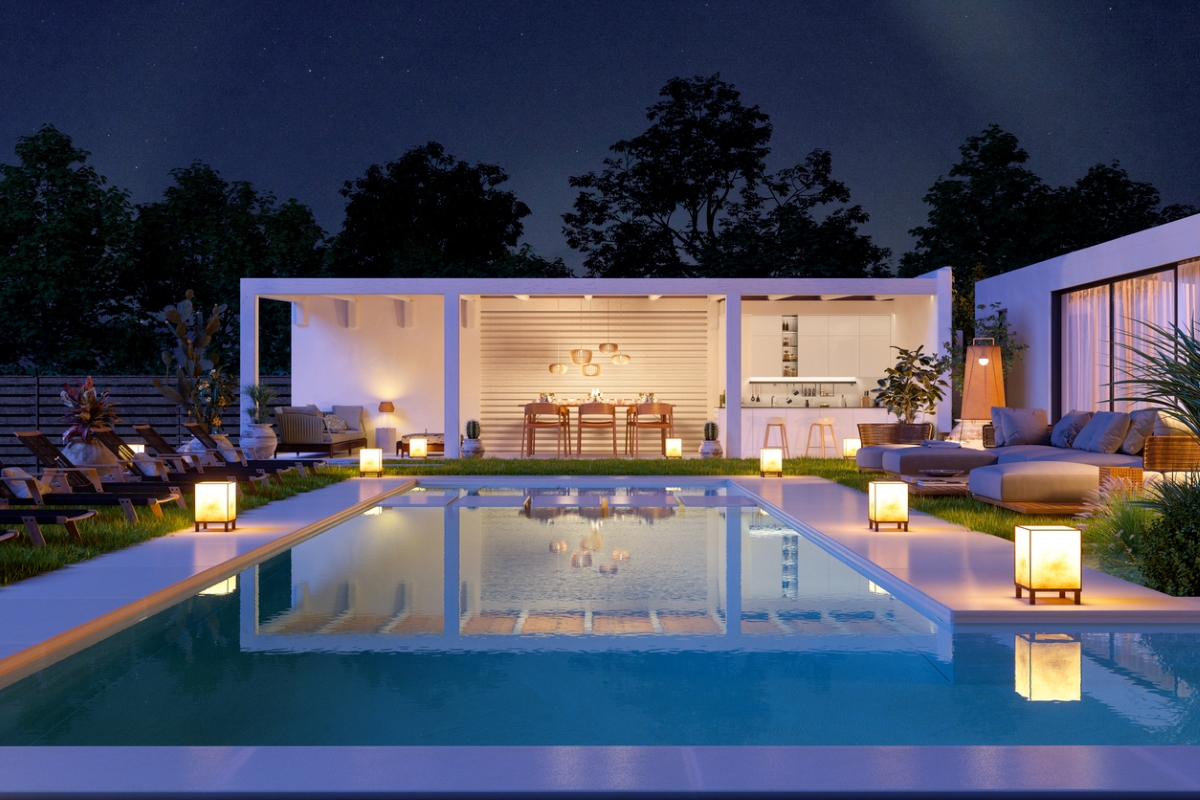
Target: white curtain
<point>1146,299</point>
<point>1189,296</point>
<point>1085,337</point>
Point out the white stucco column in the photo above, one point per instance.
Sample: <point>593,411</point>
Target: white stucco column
<point>733,376</point>
<point>945,307</point>
<point>450,422</point>
<point>247,345</point>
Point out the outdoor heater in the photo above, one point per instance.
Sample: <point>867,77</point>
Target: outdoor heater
<point>887,502</point>
<point>770,462</point>
<point>1047,666</point>
<point>850,447</point>
<point>370,462</point>
<point>674,448</point>
<point>1048,558</point>
<point>216,501</point>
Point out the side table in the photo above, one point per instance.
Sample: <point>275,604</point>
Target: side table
<point>385,439</point>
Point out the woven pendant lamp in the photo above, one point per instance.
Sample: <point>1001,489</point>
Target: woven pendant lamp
<point>581,355</point>
<point>608,348</point>
<point>558,368</point>
<point>590,370</point>
<point>621,359</point>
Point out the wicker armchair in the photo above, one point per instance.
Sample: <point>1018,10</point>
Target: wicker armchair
<point>873,433</point>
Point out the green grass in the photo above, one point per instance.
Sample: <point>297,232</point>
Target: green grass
<point>109,530</point>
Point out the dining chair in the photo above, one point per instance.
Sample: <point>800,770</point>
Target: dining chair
<point>532,424</point>
<point>602,415</point>
<point>653,416</point>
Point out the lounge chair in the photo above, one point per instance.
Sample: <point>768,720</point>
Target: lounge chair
<point>34,518</point>
<point>67,477</point>
<point>36,496</point>
<point>222,453</point>
<point>194,467</point>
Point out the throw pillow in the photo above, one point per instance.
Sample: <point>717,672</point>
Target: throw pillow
<point>335,424</point>
<point>146,465</point>
<point>1067,428</point>
<point>1167,425</point>
<point>353,416</point>
<point>15,479</point>
<point>1141,425</point>
<point>998,425</point>
<point>1022,426</point>
<point>1104,432</point>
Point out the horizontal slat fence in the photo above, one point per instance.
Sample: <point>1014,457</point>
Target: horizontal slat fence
<point>33,403</point>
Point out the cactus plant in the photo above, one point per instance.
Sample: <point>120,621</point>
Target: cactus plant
<point>711,431</point>
<point>472,429</point>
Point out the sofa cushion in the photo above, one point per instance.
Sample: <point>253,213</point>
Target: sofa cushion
<point>353,416</point>
<point>998,430</point>
<point>1035,482</point>
<point>1167,425</point>
<point>16,480</point>
<point>871,456</point>
<point>1141,425</point>
<point>1104,432</point>
<point>1086,457</point>
<point>1024,452</point>
<point>311,411</point>
<point>1067,428</point>
<point>911,460</point>
<point>1021,426</point>
<point>345,436</point>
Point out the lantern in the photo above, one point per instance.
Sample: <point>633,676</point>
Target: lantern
<point>370,462</point>
<point>887,501</point>
<point>418,447</point>
<point>1048,558</point>
<point>138,448</point>
<point>227,586</point>
<point>770,462</point>
<point>216,501</point>
<point>1048,667</point>
<point>850,447</point>
<point>674,448</point>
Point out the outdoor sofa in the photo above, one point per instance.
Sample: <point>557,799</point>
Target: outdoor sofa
<point>307,429</point>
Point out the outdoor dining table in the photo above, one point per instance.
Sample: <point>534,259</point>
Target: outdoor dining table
<point>565,407</point>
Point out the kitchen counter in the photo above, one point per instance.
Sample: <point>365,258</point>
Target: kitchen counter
<point>845,425</point>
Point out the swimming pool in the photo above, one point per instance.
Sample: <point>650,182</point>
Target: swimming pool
<point>723,625</point>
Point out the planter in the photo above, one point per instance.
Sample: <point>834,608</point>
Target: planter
<point>873,433</point>
<point>259,440</point>
<point>88,454</point>
<point>471,448</point>
<point>193,445</point>
<point>711,449</point>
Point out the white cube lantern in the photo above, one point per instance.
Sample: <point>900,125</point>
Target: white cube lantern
<point>1048,667</point>
<point>370,461</point>
<point>138,448</point>
<point>674,448</point>
<point>418,447</point>
<point>887,501</point>
<point>850,447</point>
<point>1048,558</point>
<point>216,501</point>
<point>770,462</point>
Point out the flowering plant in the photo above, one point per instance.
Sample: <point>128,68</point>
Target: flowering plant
<point>213,393</point>
<point>87,410</point>
<point>201,386</point>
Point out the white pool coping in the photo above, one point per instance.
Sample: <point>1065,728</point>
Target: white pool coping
<point>962,577</point>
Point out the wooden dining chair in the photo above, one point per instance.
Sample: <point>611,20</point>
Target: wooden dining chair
<point>602,415</point>
<point>653,416</point>
<point>550,417</point>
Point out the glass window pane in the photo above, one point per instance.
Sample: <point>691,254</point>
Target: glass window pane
<point>1137,301</point>
<point>1085,338</point>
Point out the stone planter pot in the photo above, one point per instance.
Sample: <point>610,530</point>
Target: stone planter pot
<point>711,449</point>
<point>88,454</point>
<point>471,448</point>
<point>193,445</point>
<point>259,440</point>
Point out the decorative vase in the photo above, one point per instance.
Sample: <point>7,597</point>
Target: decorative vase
<point>88,453</point>
<point>472,448</point>
<point>259,440</point>
<point>710,449</point>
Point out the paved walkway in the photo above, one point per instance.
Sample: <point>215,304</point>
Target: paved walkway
<point>960,576</point>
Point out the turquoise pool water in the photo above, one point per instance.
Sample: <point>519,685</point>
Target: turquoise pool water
<point>721,625</point>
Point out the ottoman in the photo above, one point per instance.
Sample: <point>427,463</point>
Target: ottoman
<point>1034,482</point>
<point>912,460</point>
<point>870,458</point>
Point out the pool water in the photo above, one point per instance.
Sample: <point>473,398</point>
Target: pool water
<point>591,617</point>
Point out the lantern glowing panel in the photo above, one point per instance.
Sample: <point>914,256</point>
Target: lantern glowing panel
<point>887,501</point>
<point>674,448</point>
<point>418,447</point>
<point>216,501</point>
<point>138,448</point>
<point>227,586</point>
<point>1048,558</point>
<point>370,461</point>
<point>770,462</point>
<point>1048,667</point>
<point>850,447</point>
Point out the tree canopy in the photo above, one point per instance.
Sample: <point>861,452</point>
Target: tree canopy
<point>691,197</point>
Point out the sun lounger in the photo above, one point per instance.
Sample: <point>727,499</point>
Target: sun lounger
<point>34,518</point>
<point>35,496</point>
<point>235,455</point>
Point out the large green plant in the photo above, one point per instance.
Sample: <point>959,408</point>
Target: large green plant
<point>200,385</point>
<point>915,385</point>
<point>1161,368</point>
<point>1169,553</point>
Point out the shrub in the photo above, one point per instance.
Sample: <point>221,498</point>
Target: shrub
<point>1114,524</point>
<point>1169,554</point>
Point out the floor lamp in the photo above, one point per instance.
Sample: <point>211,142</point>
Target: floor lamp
<point>983,382</point>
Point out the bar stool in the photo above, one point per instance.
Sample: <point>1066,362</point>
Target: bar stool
<point>781,423</point>
<point>821,425</point>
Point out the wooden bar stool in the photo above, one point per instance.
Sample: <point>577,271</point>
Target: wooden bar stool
<point>820,426</point>
<point>531,425</point>
<point>781,424</point>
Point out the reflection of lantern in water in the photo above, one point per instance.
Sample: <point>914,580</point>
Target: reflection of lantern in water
<point>594,540</point>
<point>1048,666</point>
<point>608,569</point>
<point>581,558</point>
<point>620,555</point>
<point>558,547</point>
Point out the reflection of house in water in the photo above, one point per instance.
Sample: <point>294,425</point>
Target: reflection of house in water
<point>1126,673</point>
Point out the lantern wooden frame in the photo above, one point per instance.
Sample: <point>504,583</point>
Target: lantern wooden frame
<point>880,510</point>
<point>216,502</point>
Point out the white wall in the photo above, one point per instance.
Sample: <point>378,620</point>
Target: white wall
<point>1026,294</point>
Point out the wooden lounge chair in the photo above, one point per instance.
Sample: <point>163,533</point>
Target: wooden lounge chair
<point>67,477</point>
<point>277,466</point>
<point>128,503</point>
<point>34,518</point>
<point>194,468</point>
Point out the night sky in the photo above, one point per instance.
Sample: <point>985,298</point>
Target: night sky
<point>298,97</point>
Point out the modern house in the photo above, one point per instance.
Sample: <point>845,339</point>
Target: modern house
<point>1076,310</point>
<point>446,351</point>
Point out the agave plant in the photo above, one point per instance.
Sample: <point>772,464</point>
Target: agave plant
<point>1162,369</point>
<point>87,410</point>
<point>201,386</point>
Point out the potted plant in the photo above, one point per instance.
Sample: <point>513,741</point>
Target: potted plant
<point>914,386</point>
<point>87,411</point>
<point>472,447</point>
<point>711,447</point>
<point>258,437</point>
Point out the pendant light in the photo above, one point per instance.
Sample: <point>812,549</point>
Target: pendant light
<point>608,348</point>
<point>558,368</point>
<point>582,355</point>
<point>620,359</point>
<point>590,370</point>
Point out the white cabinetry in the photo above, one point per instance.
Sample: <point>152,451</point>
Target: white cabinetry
<point>820,345</point>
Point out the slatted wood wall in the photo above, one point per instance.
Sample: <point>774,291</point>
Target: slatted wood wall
<point>668,345</point>
<point>32,403</point>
